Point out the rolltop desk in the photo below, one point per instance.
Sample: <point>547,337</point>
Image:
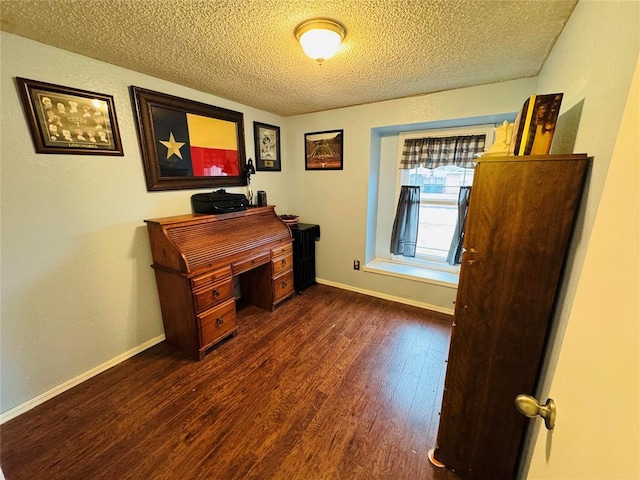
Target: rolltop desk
<point>195,258</point>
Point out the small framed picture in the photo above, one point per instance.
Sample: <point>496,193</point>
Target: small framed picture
<point>267,145</point>
<point>323,150</point>
<point>69,120</point>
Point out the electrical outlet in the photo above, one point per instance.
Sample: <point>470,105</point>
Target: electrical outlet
<point>356,264</point>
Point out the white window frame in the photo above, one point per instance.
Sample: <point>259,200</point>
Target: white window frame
<point>423,261</point>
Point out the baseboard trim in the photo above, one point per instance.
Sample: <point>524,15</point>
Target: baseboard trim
<point>384,296</point>
<point>34,402</point>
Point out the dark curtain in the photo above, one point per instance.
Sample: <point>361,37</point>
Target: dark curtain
<point>454,256</point>
<point>433,152</point>
<point>405,226</point>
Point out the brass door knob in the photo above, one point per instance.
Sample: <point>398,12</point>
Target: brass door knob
<point>529,407</point>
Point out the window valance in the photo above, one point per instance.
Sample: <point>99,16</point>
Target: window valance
<point>433,152</point>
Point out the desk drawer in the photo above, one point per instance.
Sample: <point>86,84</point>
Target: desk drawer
<point>210,277</point>
<point>281,264</point>
<point>213,294</point>
<point>282,250</point>
<point>217,323</point>
<point>250,263</point>
<point>282,286</point>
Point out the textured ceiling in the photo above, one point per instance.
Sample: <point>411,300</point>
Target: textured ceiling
<point>245,50</point>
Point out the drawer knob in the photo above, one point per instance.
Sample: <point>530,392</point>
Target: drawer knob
<point>216,293</point>
<point>284,262</point>
<point>219,322</point>
<point>284,284</point>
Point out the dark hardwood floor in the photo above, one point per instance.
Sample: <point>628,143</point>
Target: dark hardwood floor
<point>331,385</point>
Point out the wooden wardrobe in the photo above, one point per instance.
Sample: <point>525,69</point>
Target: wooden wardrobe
<point>521,215</point>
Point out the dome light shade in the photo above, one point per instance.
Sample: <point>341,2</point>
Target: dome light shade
<point>320,38</point>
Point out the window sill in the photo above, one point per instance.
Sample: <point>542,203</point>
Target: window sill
<point>412,272</point>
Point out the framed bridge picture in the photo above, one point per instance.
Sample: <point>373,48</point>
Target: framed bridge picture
<point>187,144</point>
<point>323,150</point>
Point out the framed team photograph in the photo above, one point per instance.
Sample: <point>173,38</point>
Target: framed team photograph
<point>267,145</point>
<point>323,150</point>
<point>69,120</point>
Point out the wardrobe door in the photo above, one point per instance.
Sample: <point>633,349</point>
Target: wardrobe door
<point>519,223</point>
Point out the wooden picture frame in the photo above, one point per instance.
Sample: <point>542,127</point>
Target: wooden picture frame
<point>323,150</point>
<point>65,120</point>
<point>188,144</point>
<point>267,147</point>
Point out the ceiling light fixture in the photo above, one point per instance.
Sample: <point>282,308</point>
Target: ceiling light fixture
<point>320,38</point>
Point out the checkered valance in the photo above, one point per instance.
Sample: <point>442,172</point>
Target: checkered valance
<point>436,152</point>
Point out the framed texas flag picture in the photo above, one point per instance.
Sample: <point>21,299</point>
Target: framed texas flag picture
<point>187,144</point>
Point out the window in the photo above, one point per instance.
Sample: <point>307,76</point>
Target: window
<point>439,189</point>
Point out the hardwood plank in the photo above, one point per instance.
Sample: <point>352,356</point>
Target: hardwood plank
<point>331,385</point>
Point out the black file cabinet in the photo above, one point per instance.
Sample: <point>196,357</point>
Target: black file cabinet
<point>304,255</point>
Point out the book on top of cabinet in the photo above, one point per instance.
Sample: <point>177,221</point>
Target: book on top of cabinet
<point>535,125</point>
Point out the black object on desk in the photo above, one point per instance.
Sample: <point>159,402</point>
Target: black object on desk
<point>304,255</point>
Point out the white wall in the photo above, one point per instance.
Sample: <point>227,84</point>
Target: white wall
<point>338,200</point>
<point>77,287</point>
<point>592,371</point>
<point>596,382</point>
